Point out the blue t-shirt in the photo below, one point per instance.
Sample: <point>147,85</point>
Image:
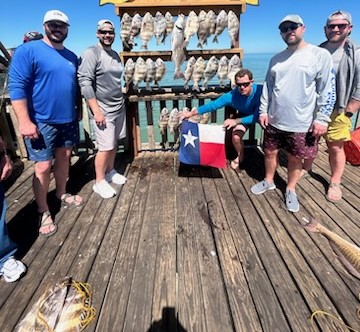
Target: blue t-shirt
<point>46,77</point>
<point>247,107</point>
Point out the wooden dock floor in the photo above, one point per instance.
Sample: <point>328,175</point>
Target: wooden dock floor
<point>191,249</point>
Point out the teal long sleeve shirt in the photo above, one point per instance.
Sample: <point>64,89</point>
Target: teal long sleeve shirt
<point>247,107</point>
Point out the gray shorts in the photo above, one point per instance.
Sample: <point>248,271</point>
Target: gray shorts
<point>107,137</point>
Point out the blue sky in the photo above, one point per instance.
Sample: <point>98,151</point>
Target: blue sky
<point>258,25</point>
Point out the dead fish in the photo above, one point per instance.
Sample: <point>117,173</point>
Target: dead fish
<point>177,45</point>
<point>223,69</point>
<point>221,24</point>
<point>348,253</point>
<point>189,71</point>
<point>139,72</point>
<point>212,19</point>
<point>164,120</point>
<point>235,65</point>
<point>173,123</point>
<point>195,118</point>
<point>204,29</point>
<point>159,27</point>
<point>129,70</point>
<point>147,29</point>
<point>160,70</point>
<point>210,70</point>
<point>65,307</point>
<point>169,25</point>
<point>191,27</point>
<point>205,118</point>
<point>150,72</point>
<point>233,27</point>
<point>198,72</point>
<point>125,30</point>
<point>135,28</point>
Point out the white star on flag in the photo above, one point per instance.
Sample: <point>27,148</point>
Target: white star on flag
<point>189,138</point>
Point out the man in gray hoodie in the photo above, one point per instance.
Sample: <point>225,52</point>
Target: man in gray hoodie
<point>346,58</point>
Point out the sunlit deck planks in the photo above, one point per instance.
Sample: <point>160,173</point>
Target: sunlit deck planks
<point>191,249</point>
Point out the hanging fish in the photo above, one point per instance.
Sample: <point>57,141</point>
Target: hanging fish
<point>65,307</point>
<point>129,70</point>
<point>212,19</point>
<point>189,71</point>
<point>205,118</point>
<point>195,118</point>
<point>140,72</point>
<point>177,45</point>
<point>204,29</point>
<point>173,123</point>
<point>233,28</point>
<point>235,65</point>
<point>164,120</point>
<point>223,70</point>
<point>191,27</point>
<point>159,27</point>
<point>135,29</point>
<point>221,24</point>
<point>147,29</point>
<point>125,30</point>
<point>150,72</point>
<point>169,25</point>
<point>210,70</point>
<point>197,75</point>
<point>160,71</point>
<point>348,253</point>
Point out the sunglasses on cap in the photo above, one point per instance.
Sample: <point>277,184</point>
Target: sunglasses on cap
<point>292,27</point>
<point>340,26</point>
<point>243,84</point>
<point>104,32</point>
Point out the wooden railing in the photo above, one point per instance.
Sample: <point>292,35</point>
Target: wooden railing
<point>143,109</point>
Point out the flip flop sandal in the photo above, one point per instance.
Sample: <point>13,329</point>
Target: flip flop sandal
<point>334,193</point>
<point>235,164</point>
<point>43,222</point>
<point>71,200</point>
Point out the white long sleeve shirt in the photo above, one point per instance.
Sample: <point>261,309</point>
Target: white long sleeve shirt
<point>299,89</point>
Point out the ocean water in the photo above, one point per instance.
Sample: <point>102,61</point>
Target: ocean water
<point>256,62</point>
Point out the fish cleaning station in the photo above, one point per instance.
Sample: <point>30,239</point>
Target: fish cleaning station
<point>183,248</point>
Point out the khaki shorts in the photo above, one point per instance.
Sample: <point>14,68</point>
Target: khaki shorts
<point>339,127</point>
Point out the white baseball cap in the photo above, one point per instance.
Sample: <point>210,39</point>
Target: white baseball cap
<point>56,15</point>
<point>292,18</point>
<point>101,23</point>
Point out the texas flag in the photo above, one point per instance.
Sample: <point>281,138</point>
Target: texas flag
<point>202,144</point>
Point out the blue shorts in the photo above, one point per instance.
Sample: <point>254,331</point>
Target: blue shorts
<point>52,136</point>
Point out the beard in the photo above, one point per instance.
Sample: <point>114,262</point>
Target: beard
<point>56,37</point>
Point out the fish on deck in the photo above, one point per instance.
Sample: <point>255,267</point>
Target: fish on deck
<point>348,253</point>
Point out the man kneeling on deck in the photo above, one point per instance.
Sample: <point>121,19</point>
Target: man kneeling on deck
<point>245,98</point>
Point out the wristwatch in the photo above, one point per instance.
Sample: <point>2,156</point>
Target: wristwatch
<point>349,114</point>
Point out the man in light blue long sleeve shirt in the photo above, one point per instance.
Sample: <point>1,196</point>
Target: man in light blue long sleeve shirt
<point>245,98</point>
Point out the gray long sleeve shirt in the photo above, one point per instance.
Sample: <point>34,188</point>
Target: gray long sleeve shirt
<point>299,89</point>
<point>99,76</point>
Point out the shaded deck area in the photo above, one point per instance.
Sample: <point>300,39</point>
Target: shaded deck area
<point>190,249</point>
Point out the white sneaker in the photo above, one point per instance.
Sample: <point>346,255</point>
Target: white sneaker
<point>104,189</point>
<point>115,177</point>
<point>12,269</point>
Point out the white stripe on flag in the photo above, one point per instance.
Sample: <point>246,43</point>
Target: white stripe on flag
<point>211,133</point>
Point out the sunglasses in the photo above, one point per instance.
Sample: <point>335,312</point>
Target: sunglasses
<point>54,26</point>
<point>340,26</point>
<point>104,32</point>
<point>244,84</point>
<point>291,27</point>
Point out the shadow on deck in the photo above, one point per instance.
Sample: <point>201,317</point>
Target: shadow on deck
<point>190,249</point>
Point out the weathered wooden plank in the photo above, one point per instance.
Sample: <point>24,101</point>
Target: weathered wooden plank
<point>164,298</point>
<point>115,303</point>
<point>189,290</point>
<point>217,312</point>
<point>225,216</point>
